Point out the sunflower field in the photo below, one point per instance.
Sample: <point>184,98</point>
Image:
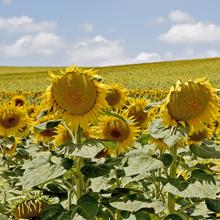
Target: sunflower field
<point>84,148</point>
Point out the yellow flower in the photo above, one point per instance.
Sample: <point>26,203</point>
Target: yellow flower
<point>116,96</point>
<point>13,120</point>
<point>194,103</point>
<point>10,148</point>
<point>116,129</point>
<point>46,135</point>
<point>18,100</point>
<point>137,110</point>
<point>159,144</point>
<point>75,96</point>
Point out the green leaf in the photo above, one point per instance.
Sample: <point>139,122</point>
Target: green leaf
<point>114,115</point>
<point>166,159</point>
<point>213,204</point>
<point>173,217</point>
<point>144,138</point>
<point>139,157</point>
<point>52,212</point>
<point>142,215</point>
<point>201,175</point>
<point>88,205</point>
<point>40,170</point>
<point>205,150</point>
<point>194,190</point>
<point>94,171</point>
<point>49,124</point>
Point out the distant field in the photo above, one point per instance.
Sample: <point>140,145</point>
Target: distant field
<point>147,75</point>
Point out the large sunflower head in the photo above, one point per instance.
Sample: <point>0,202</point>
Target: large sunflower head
<point>13,120</point>
<point>194,103</point>
<point>116,96</point>
<point>75,96</point>
<point>136,109</point>
<point>117,129</point>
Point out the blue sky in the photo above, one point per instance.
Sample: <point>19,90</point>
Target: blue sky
<point>107,32</point>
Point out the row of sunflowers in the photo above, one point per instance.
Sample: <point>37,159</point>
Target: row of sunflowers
<point>87,150</point>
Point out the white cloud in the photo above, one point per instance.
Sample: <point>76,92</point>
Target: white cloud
<point>43,44</point>
<point>7,2</point>
<point>88,27</point>
<point>25,24</point>
<point>192,33</point>
<point>179,16</point>
<point>147,57</point>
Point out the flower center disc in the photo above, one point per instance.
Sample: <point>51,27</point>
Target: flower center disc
<point>113,97</point>
<point>117,131</point>
<point>75,93</point>
<point>189,103</point>
<point>9,122</point>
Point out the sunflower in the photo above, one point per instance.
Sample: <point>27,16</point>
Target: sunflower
<point>116,96</point>
<point>75,96</point>
<point>194,103</point>
<point>30,206</point>
<point>18,100</point>
<point>137,110</point>
<point>159,144</point>
<point>13,120</point>
<point>199,136</point>
<point>62,135</point>
<point>47,135</point>
<point>117,129</point>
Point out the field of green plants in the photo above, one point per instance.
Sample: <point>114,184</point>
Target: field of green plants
<point>110,143</point>
<point>152,75</point>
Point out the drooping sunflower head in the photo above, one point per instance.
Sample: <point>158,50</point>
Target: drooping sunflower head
<point>47,134</point>
<point>117,129</point>
<point>12,120</point>
<point>75,96</point>
<point>116,96</point>
<point>136,109</point>
<point>194,103</point>
<point>159,144</point>
<point>30,206</point>
<point>8,145</point>
<point>18,100</point>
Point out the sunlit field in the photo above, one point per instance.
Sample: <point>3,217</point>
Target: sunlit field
<point>110,143</point>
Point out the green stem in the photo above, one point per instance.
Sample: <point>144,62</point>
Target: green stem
<point>173,168</point>
<point>117,185</point>
<point>80,185</point>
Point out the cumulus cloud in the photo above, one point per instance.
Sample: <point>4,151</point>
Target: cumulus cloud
<point>88,27</point>
<point>25,24</point>
<point>179,16</point>
<point>147,57</point>
<point>100,51</point>
<point>43,44</point>
<point>191,33</point>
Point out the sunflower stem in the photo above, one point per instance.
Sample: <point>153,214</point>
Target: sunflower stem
<point>117,185</point>
<point>173,168</point>
<point>79,164</point>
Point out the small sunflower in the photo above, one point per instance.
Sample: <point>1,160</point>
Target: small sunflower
<point>117,129</point>
<point>116,96</point>
<point>62,135</point>
<point>199,136</point>
<point>137,110</point>
<point>159,144</point>
<point>12,120</point>
<point>194,103</point>
<point>46,135</point>
<point>30,206</point>
<point>75,96</point>
<point>18,100</point>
